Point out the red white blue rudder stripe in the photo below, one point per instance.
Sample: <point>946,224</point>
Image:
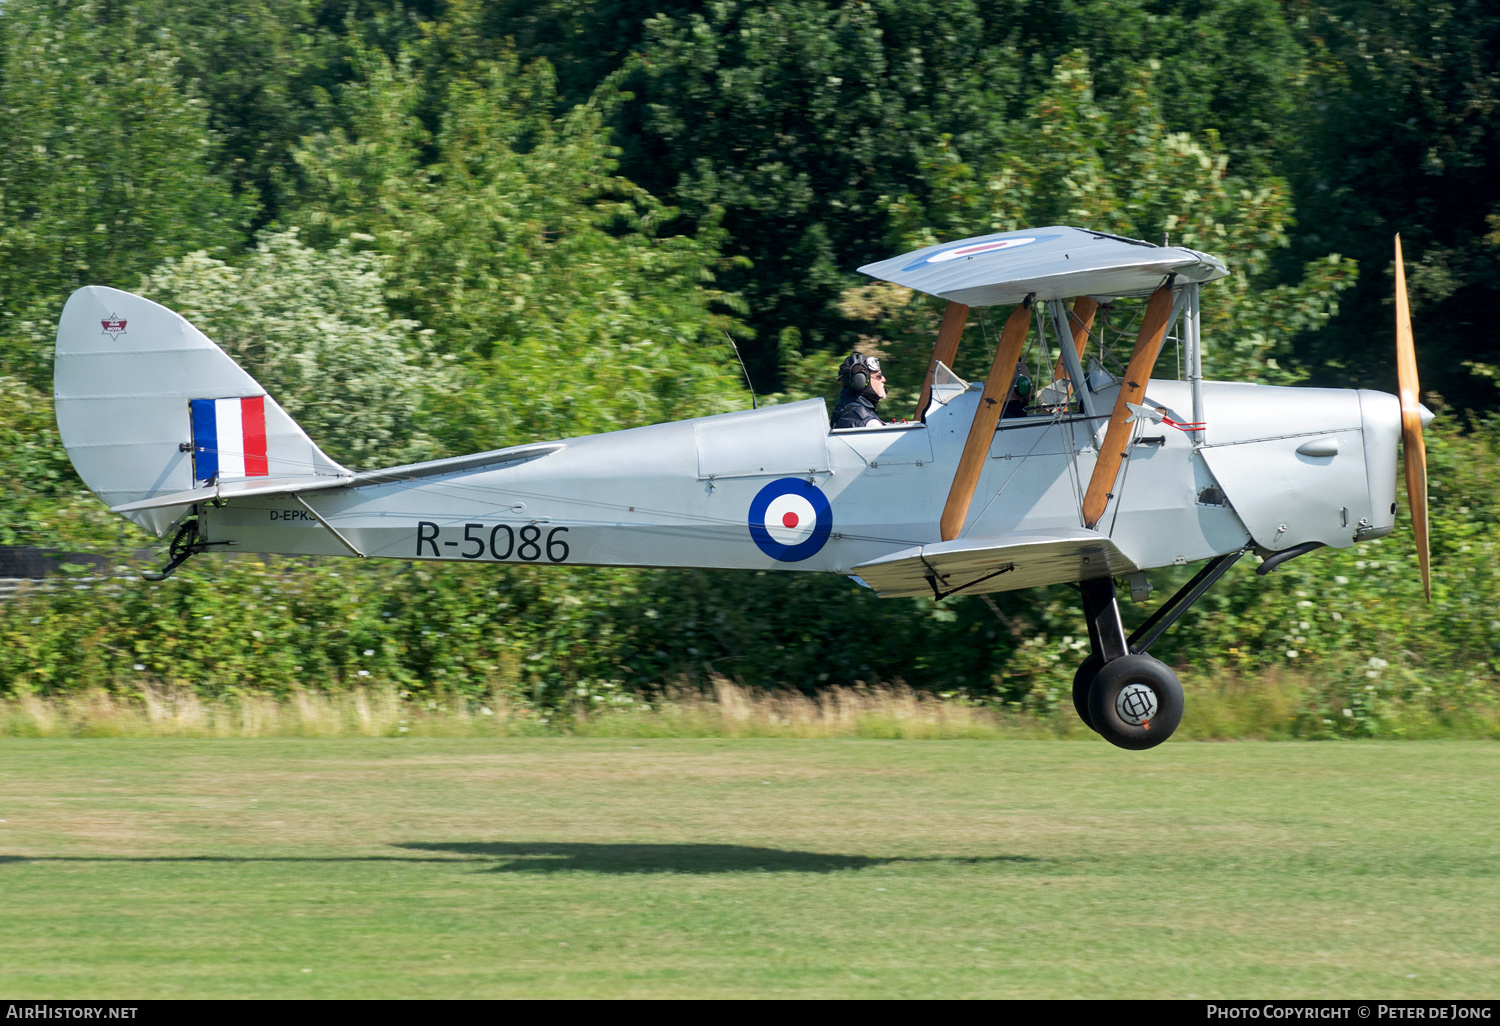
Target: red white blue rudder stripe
<point>229,438</point>
<point>790,519</point>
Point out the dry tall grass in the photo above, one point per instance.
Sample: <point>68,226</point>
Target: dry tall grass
<point>728,710</point>
<point>163,713</point>
<point>1265,707</point>
<point>884,711</point>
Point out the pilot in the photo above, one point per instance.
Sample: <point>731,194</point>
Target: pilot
<point>864,386</point>
<point>1020,393</point>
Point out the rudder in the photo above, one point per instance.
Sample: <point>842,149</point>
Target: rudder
<point>147,405</point>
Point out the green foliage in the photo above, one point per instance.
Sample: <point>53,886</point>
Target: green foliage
<point>1116,167</point>
<point>42,502</point>
<point>798,116</point>
<point>476,242</point>
<point>795,117</point>
<point>258,74</point>
<point>801,117</point>
<point>1400,133</point>
<point>506,233</point>
<point>313,328</point>
<point>104,168</point>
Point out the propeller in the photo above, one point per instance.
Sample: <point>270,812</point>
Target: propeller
<point>1413,449</point>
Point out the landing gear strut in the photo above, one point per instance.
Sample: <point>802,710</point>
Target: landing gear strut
<point>1129,698</point>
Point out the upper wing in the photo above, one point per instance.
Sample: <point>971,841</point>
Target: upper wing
<point>975,565</point>
<point>1056,262</point>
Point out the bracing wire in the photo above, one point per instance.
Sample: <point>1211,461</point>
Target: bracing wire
<point>754,405</point>
<point>1054,421</point>
<point>1124,477</point>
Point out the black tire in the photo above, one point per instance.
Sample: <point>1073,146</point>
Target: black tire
<point>1083,680</point>
<point>1111,715</point>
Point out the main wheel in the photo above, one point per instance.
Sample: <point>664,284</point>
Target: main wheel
<point>1083,679</point>
<point>1135,702</point>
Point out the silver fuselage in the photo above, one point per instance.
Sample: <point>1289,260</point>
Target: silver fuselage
<point>681,494</point>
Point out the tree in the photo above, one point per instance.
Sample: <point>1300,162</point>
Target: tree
<point>799,118</point>
<point>507,233</point>
<point>104,168</point>
<point>314,329</point>
<point>1117,167</point>
<point>1401,133</point>
<point>259,72</point>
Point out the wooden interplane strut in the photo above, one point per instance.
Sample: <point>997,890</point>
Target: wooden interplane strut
<point>954,317</point>
<point>986,417</point>
<point>1084,309</point>
<point>1132,389</point>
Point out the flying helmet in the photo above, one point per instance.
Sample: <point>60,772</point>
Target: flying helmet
<point>857,372</point>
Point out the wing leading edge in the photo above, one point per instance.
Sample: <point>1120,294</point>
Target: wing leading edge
<point>972,566</point>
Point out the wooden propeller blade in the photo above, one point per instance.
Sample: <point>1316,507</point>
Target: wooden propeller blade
<point>952,328</point>
<point>1132,389</point>
<point>1413,448</point>
<point>982,428</point>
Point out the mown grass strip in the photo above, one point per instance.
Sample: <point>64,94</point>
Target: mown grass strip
<point>620,867</point>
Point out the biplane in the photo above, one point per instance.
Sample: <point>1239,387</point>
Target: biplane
<point>1104,476</point>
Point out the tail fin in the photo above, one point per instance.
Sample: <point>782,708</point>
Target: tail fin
<point>148,406</point>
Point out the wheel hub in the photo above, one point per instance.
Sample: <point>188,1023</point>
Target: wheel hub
<point>1136,704</point>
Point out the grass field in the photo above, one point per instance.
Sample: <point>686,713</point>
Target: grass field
<point>617,867</point>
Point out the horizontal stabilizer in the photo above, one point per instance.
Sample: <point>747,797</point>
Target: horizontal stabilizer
<point>492,460</point>
<point>971,566</point>
<point>291,485</point>
<point>235,490</point>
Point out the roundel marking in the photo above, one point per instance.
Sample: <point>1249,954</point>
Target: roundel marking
<point>790,519</point>
<point>973,249</point>
<point>976,249</point>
